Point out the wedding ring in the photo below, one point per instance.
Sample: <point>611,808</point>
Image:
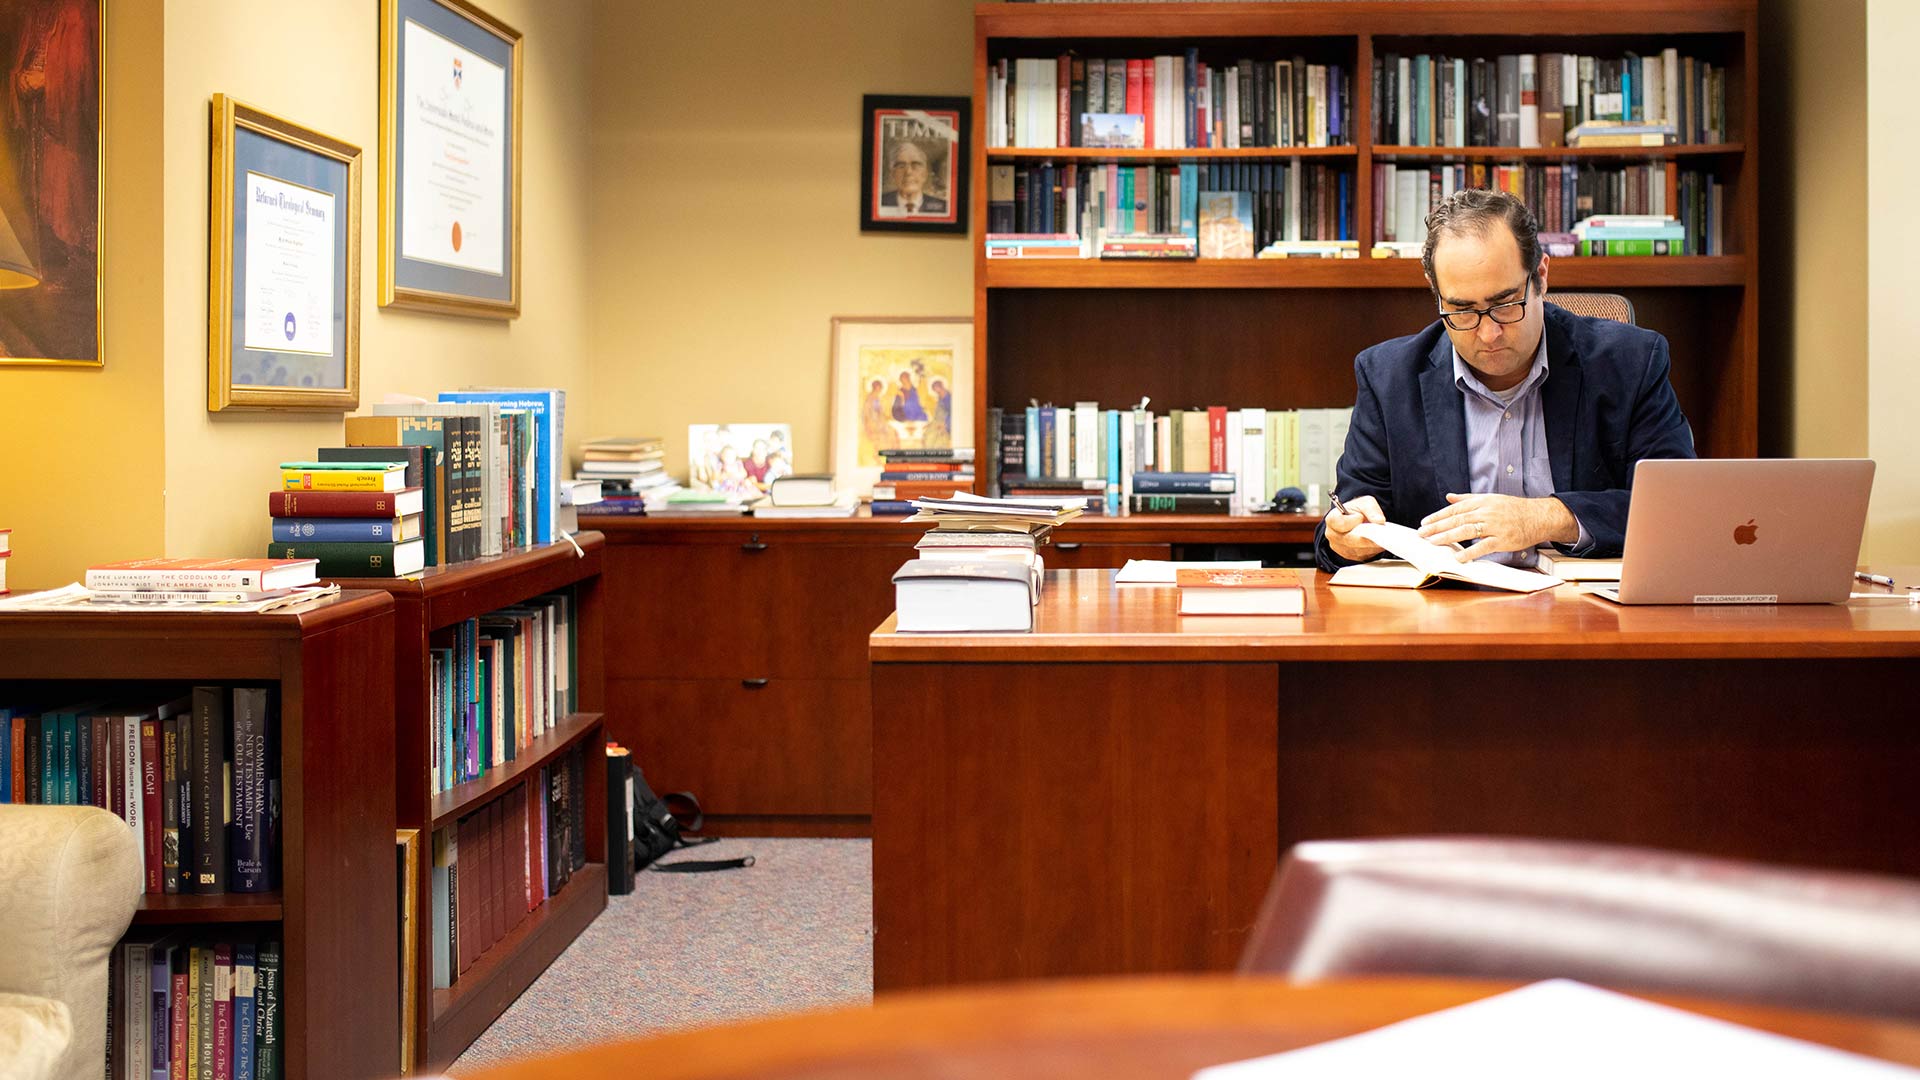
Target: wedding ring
<point>1479,530</point>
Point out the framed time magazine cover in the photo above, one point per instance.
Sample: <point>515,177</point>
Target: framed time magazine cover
<point>913,164</point>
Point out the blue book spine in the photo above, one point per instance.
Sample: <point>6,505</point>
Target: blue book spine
<point>1048,434</point>
<point>6,756</point>
<point>1190,199</point>
<point>160,1042</point>
<point>548,409</point>
<point>70,759</point>
<point>1422,101</point>
<point>1113,445</point>
<point>50,759</point>
<point>1346,206</point>
<point>1033,440</point>
<point>243,1012</point>
<point>1183,483</point>
<point>1191,69</point>
<point>331,530</point>
<point>890,507</point>
<point>1333,105</point>
<point>1629,106</point>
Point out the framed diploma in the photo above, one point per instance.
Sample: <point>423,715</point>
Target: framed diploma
<point>283,321</point>
<point>449,159</point>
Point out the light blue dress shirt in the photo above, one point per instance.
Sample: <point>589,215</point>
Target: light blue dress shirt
<point>1507,441</point>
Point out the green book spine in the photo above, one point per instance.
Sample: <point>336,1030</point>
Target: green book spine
<point>340,559</point>
<point>1633,247</point>
<point>266,1014</point>
<point>69,759</point>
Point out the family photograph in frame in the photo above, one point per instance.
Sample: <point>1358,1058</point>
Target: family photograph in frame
<point>913,153</point>
<point>50,182</point>
<point>898,383</point>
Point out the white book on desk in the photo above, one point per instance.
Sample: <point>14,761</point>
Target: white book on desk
<point>941,596</point>
<point>1568,1031</point>
<point>1427,563</point>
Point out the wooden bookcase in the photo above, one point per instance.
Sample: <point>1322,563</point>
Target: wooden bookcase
<point>448,1020</point>
<point>1283,333</point>
<point>332,662</point>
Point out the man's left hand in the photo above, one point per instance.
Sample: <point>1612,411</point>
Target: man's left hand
<point>1488,523</point>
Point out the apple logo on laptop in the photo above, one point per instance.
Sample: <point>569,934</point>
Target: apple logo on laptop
<point>1746,534</point>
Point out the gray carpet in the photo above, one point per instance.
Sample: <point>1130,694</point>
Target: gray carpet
<point>793,931</point>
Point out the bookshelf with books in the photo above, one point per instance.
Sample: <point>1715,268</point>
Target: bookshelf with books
<point>1281,333</point>
<point>297,697</point>
<point>498,694</point>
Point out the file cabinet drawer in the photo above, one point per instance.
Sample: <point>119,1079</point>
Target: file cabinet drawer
<point>788,746</point>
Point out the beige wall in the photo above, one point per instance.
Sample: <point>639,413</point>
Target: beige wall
<point>1813,213</point>
<point>321,70</point>
<point>80,477</point>
<point>726,185</point>
<point>1893,328</point>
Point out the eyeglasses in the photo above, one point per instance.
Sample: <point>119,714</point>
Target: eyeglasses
<point>1505,314</point>
<point>919,166</point>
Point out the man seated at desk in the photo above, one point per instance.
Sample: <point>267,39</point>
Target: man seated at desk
<point>1508,424</point>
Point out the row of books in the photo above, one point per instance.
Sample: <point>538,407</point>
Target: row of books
<point>196,777</point>
<point>1179,100</point>
<point>188,1006</point>
<point>1548,99</point>
<point>1225,457</point>
<point>1288,200</point>
<point>495,866</point>
<point>499,682</point>
<point>1560,196</point>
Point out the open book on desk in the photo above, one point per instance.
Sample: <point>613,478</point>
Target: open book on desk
<point>1426,563</point>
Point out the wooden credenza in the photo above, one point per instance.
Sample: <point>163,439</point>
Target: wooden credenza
<point>736,649</point>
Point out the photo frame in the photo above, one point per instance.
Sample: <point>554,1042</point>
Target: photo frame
<point>924,397</point>
<point>450,78</point>
<point>53,183</point>
<point>913,163</point>
<point>283,321</point>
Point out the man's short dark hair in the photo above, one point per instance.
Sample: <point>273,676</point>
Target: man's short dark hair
<point>1471,213</point>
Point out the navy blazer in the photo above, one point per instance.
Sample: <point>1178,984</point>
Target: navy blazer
<point>1606,401</point>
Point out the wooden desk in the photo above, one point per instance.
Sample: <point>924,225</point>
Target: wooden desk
<point>1099,1030</point>
<point>1111,793</point>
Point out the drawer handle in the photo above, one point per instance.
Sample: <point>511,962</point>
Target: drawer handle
<point>754,684</point>
<point>1067,547</point>
<point>753,547</point>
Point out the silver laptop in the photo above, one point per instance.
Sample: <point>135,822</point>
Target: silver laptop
<point>1743,531</point>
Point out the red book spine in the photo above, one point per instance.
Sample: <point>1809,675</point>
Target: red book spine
<point>103,762</point>
<point>468,914</point>
<point>1136,86</point>
<point>1217,438</point>
<point>536,876</point>
<point>1203,109</point>
<point>1147,99</point>
<point>359,504</point>
<point>1063,84</point>
<point>19,737</point>
<point>177,1025</point>
<point>150,799</point>
<point>497,867</point>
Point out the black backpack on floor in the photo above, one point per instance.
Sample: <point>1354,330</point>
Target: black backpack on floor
<point>657,830</point>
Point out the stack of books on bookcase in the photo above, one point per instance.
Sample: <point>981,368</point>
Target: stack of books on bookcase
<point>1204,460</point>
<point>383,540</point>
<point>909,474</point>
<point>187,581</point>
<point>1548,100</point>
<point>629,469</point>
<point>498,682</point>
<point>1181,102</point>
<point>195,776</point>
<point>495,866</point>
<point>194,1005</point>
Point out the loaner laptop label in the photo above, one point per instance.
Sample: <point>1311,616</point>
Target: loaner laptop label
<point>1739,598</point>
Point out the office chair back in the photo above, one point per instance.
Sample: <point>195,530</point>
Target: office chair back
<point>1631,918</point>
<point>1596,305</point>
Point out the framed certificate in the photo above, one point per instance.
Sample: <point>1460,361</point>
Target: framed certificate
<point>283,321</point>
<point>449,159</point>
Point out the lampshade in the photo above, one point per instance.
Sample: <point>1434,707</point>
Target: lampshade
<point>16,269</point>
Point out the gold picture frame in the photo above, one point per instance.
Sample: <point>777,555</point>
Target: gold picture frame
<point>476,44</point>
<point>15,215</point>
<point>250,139</point>
<point>897,381</point>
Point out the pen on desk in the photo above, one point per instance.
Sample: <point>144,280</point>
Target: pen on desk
<point>1862,575</point>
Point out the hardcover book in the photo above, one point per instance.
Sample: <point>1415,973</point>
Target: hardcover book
<point>1240,592</point>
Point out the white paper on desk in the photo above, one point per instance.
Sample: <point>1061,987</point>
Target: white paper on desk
<point>1568,1031</point>
<point>1161,572</point>
<point>1440,561</point>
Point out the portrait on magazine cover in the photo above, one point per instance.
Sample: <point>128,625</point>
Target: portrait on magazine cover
<point>914,161</point>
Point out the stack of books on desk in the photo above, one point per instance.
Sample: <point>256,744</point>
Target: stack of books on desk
<point>978,567</point>
<point>199,581</point>
<point>920,472</point>
<point>629,468</point>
